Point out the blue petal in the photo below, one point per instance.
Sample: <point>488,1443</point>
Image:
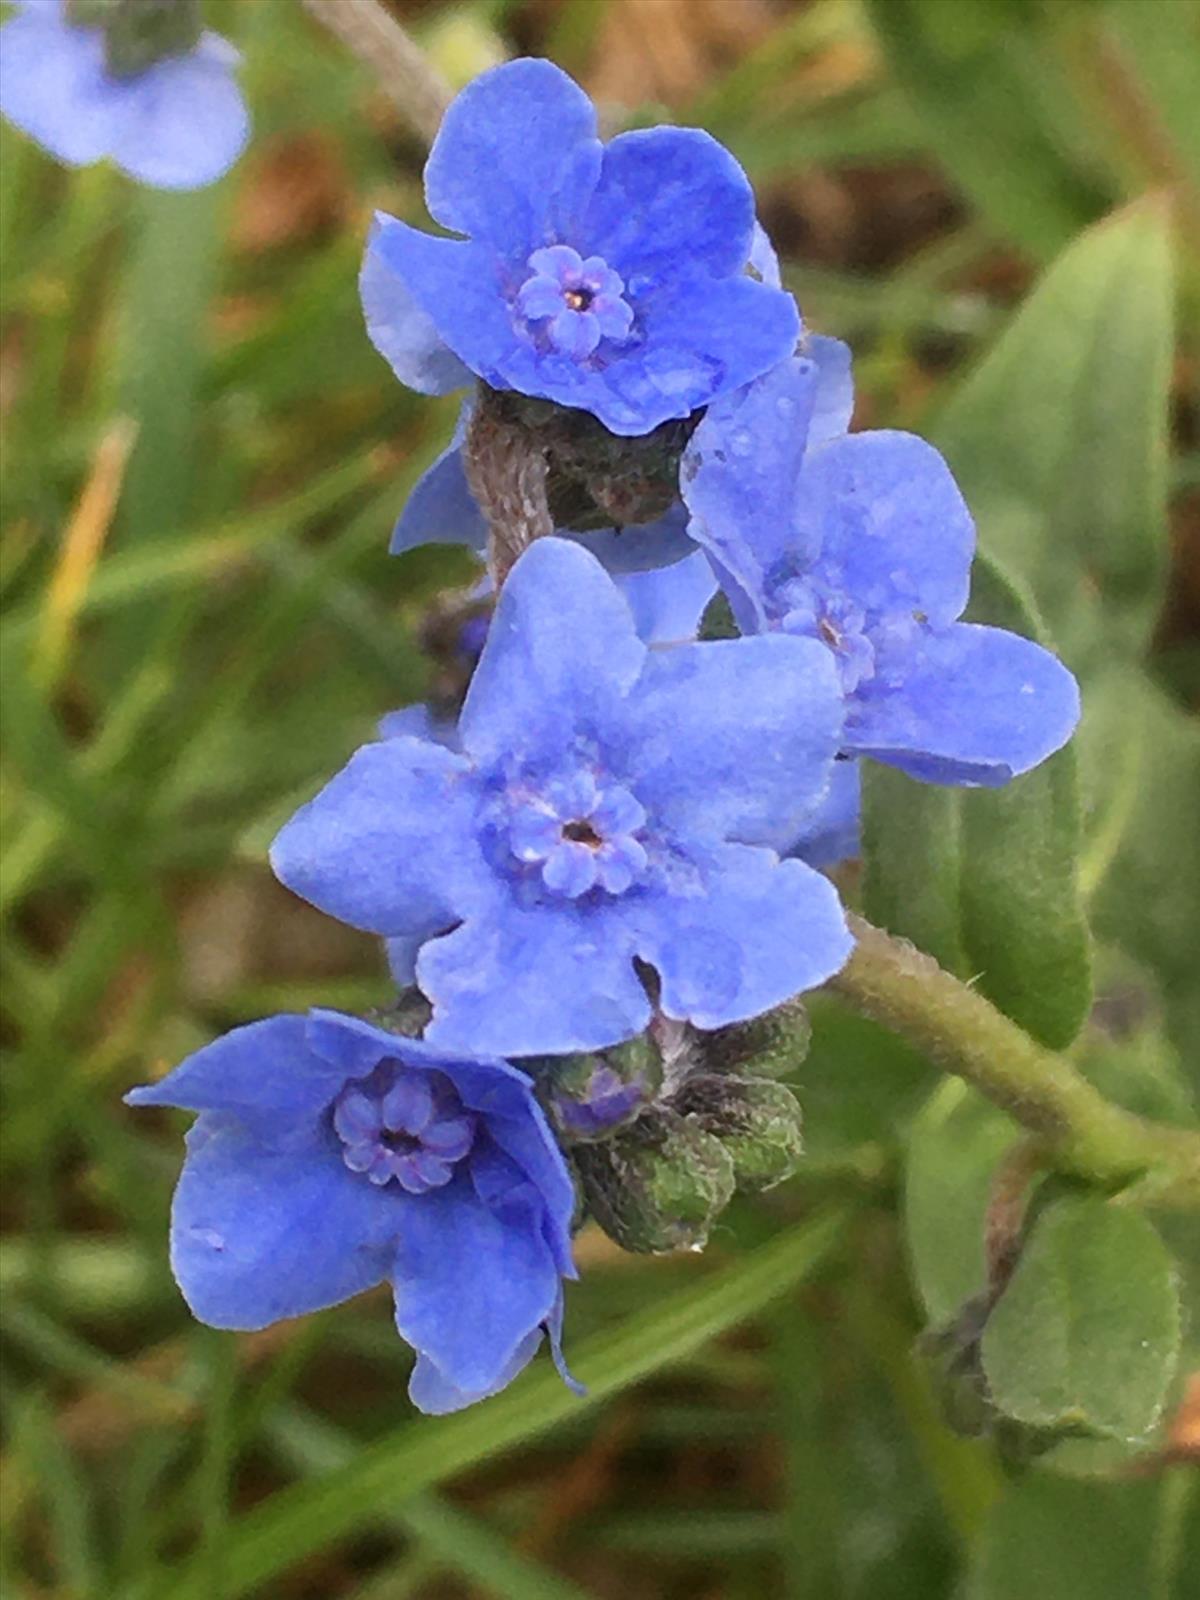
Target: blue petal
<point>441,508</point>
<point>760,932</point>
<point>516,158</point>
<point>259,1233</point>
<point>418,722</point>
<point>670,198</point>
<point>668,604</point>
<point>560,656</point>
<point>735,738</point>
<point>740,478</point>
<point>525,1144</point>
<point>831,833</point>
<point>389,845</point>
<point>264,1074</point>
<point>640,548</point>
<point>436,1396</point>
<point>184,121</point>
<point>54,87</point>
<point>402,332</point>
<point>978,706</point>
<point>833,401</point>
<point>703,337</point>
<point>887,515</point>
<point>534,982</point>
<point>471,1286</point>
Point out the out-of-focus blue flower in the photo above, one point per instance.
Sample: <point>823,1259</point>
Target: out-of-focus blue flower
<point>180,124</point>
<point>330,1156</point>
<point>442,510</point>
<point>610,803</point>
<point>611,278</point>
<point>863,541</point>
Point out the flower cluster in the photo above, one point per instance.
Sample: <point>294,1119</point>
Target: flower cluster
<point>595,862</point>
<point>141,85</point>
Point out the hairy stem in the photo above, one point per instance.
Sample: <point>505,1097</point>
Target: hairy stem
<point>404,70</point>
<point>1080,1131</point>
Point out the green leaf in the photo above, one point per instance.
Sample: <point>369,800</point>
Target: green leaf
<point>953,1150</point>
<point>987,880</point>
<point>1087,1333</point>
<point>1149,900</point>
<point>1024,929</point>
<point>999,112</point>
<point>298,1521</point>
<point>1056,1539</point>
<point>913,861</point>
<point>1059,438</point>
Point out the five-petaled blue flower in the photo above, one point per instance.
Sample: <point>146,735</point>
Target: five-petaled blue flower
<point>611,278</point>
<point>611,803</point>
<point>179,124</point>
<point>330,1156</point>
<point>863,541</point>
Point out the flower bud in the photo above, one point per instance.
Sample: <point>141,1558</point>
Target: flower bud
<point>757,1122</point>
<point>590,1097</point>
<point>659,1185</point>
<point>771,1045</point>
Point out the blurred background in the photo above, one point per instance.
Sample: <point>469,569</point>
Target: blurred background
<point>997,203</point>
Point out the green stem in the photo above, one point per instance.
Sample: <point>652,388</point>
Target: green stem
<point>1080,1131</point>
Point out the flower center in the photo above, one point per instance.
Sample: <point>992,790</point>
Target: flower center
<point>574,834</point>
<point>569,304</point>
<point>403,1124</point>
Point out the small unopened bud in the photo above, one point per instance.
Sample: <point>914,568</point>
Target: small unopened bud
<point>658,1186</point>
<point>591,1096</point>
<point>757,1122</point>
<point>771,1046</point>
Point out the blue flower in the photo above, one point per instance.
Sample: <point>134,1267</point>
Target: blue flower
<point>179,124</point>
<point>832,833</point>
<point>863,541</point>
<point>611,803</point>
<point>611,278</point>
<point>330,1156</point>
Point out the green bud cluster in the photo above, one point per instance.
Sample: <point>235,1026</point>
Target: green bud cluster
<point>706,1124</point>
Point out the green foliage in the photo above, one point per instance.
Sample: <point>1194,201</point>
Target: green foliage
<point>179,677</point>
<point>1087,1333</point>
<point>1059,438</point>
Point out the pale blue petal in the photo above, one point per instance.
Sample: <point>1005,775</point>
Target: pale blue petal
<point>441,508</point>
<point>763,258</point>
<point>735,738</point>
<point>53,86</point>
<point>399,328</point>
<point>436,1396</point>
<point>740,478</point>
<point>184,122</point>
<point>669,602</point>
<point>977,706</point>
<point>389,845</point>
<point>833,400</point>
<point>890,521</point>
<point>560,656</point>
<point>643,547</point>
<point>831,833</point>
<point>516,159</point>
<point>759,932</point>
